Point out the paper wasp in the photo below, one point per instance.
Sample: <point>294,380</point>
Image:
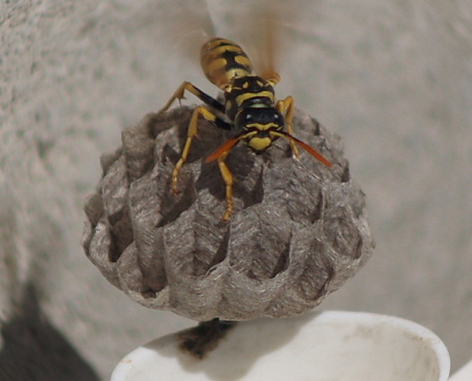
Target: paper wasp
<point>249,110</point>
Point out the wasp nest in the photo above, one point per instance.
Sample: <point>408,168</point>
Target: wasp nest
<point>298,232</point>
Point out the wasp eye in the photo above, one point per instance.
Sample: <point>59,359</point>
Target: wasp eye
<point>276,116</point>
<point>248,116</point>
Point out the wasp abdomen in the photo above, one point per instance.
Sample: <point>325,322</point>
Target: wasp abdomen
<point>222,60</point>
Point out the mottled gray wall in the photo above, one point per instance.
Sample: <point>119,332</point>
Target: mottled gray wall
<point>394,79</point>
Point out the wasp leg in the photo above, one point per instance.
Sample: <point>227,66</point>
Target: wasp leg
<point>191,132</point>
<point>228,179</point>
<point>179,94</point>
<point>286,107</point>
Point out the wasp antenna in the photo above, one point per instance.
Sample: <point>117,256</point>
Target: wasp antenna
<point>227,146</point>
<point>306,147</point>
<point>223,149</point>
<point>313,152</point>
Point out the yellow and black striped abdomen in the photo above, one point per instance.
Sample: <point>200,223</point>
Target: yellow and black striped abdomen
<point>223,60</point>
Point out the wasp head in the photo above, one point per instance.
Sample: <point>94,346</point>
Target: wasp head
<point>258,125</point>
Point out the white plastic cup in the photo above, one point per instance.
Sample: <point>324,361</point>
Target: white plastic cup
<point>331,345</point>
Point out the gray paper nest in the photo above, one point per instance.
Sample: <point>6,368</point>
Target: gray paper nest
<point>299,229</point>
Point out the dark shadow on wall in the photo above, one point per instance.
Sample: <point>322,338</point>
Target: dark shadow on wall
<point>34,350</point>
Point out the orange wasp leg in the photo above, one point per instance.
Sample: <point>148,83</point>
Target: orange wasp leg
<point>228,179</point>
<point>179,94</point>
<point>220,154</point>
<point>286,107</point>
<point>187,86</point>
<point>191,132</point>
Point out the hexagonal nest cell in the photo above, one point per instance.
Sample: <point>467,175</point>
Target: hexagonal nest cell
<point>298,231</point>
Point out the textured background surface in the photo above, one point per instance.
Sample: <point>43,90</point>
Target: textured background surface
<point>394,79</point>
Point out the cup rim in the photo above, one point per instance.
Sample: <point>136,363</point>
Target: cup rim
<point>436,344</point>
<point>126,364</point>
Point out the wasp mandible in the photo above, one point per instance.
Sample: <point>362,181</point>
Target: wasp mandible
<point>249,110</point>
